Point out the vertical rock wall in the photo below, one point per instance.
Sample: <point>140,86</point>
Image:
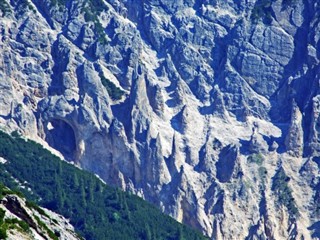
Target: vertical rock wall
<point>208,109</point>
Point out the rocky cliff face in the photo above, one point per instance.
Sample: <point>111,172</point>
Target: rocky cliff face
<point>21,220</point>
<point>207,108</point>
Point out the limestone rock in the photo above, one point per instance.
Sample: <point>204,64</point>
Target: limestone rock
<point>203,118</point>
<point>15,207</point>
<point>294,139</point>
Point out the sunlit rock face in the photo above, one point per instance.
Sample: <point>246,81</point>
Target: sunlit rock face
<point>16,210</point>
<point>207,108</point>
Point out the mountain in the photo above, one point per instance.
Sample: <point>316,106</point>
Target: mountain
<point>207,108</point>
<point>20,219</point>
<point>96,210</point>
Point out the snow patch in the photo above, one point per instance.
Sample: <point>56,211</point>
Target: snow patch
<point>2,160</point>
<point>49,126</point>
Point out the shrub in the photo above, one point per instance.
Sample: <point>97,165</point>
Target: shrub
<point>44,227</point>
<point>256,158</point>
<point>284,192</point>
<point>262,11</point>
<point>114,92</point>
<point>96,210</point>
<point>3,233</point>
<point>59,3</point>
<point>5,191</point>
<point>91,12</point>
<point>263,172</point>
<point>33,205</point>
<point>12,222</point>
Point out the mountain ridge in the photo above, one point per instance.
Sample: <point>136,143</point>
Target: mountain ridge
<point>206,87</point>
<point>96,210</point>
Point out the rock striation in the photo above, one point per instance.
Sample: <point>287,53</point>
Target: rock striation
<point>208,109</point>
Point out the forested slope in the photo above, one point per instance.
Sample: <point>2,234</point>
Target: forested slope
<point>95,210</point>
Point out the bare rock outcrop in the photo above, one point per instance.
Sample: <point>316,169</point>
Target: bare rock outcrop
<point>194,105</point>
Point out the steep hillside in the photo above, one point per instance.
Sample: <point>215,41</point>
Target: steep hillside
<point>20,219</point>
<point>207,108</point>
<point>94,209</point>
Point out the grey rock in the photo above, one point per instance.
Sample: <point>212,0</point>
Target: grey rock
<point>294,139</point>
<point>225,165</point>
<point>14,207</point>
<point>197,77</point>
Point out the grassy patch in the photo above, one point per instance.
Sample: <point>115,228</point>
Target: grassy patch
<point>13,222</point>
<point>58,2</point>
<point>6,191</point>
<point>3,227</point>
<point>262,172</point>
<point>34,206</point>
<point>256,158</point>
<point>44,227</point>
<point>92,10</point>
<point>283,192</point>
<point>114,92</point>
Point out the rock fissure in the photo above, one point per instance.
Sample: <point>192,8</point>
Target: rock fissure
<point>196,78</point>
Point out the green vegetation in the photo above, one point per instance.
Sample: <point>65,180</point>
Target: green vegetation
<point>10,223</point>
<point>2,213</point>
<point>95,210</point>
<point>25,4</point>
<point>3,227</point>
<point>256,158</point>
<point>59,3</point>
<point>262,172</point>
<point>44,227</point>
<point>263,176</point>
<point>5,191</point>
<point>37,208</point>
<point>114,92</point>
<point>100,32</point>
<point>284,192</point>
<point>97,6</point>
<point>13,222</point>
<point>262,11</point>
<point>91,10</point>
<point>4,8</point>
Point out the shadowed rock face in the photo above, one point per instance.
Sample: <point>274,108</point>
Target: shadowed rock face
<point>61,137</point>
<point>316,232</point>
<point>225,165</point>
<point>196,78</point>
<point>14,206</point>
